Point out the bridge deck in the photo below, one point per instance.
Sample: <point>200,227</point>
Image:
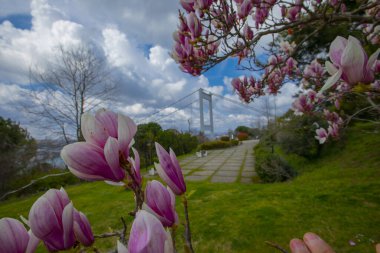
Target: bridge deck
<point>234,164</point>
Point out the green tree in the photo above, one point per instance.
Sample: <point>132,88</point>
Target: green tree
<point>145,137</point>
<point>17,147</point>
<point>243,129</point>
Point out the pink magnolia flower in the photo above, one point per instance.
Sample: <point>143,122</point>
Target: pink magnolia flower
<point>15,239</point>
<point>54,220</point>
<point>188,5</point>
<point>260,15</point>
<point>322,135</point>
<point>242,88</point>
<point>333,130</point>
<point>108,136</point>
<point>179,37</point>
<point>373,33</point>
<point>148,236</point>
<point>305,103</point>
<point>248,33</point>
<point>135,164</point>
<point>169,170</point>
<point>273,60</point>
<point>291,65</point>
<point>315,70</point>
<point>275,80</point>
<point>82,229</point>
<point>287,48</point>
<point>349,62</point>
<point>333,117</point>
<point>244,8</point>
<point>202,4</point>
<point>194,25</point>
<point>292,13</point>
<point>160,202</point>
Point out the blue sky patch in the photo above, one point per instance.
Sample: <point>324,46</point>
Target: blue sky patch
<point>20,21</point>
<point>227,68</point>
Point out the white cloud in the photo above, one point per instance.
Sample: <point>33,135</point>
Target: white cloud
<point>135,109</point>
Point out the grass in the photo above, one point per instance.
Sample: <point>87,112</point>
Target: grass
<point>337,196</point>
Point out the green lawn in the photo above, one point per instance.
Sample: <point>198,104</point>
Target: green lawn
<point>337,196</point>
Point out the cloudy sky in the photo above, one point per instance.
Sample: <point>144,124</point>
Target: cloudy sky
<point>135,37</point>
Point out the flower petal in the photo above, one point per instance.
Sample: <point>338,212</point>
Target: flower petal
<point>330,68</point>
<point>108,120</point>
<point>170,167</point>
<point>126,131</point>
<point>178,171</point>
<point>166,179</point>
<point>58,199</point>
<point>13,236</point>
<point>93,132</point>
<point>353,60</point>
<point>168,243</point>
<point>85,176</point>
<point>67,224</point>
<point>42,218</point>
<point>372,60</point>
<point>114,183</point>
<point>111,153</point>
<point>147,234</point>
<point>87,159</point>
<point>82,229</point>
<point>331,81</point>
<point>369,72</point>
<point>32,243</point>
<point>336,50</point>
<point>121,248</point>
<point>158,198</point>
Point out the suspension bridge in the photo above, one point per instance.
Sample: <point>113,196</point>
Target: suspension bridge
<point>207,112</point>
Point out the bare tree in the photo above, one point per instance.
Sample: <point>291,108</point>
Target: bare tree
<point>76,82</point>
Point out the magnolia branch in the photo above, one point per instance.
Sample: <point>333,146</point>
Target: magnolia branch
<point>187,226</point>
<point>317,20</point>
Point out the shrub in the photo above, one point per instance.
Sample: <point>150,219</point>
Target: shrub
<point>214,145</point>
<point>297,135</point>
<point>218,144</point>
<point>242,136</point>
<point>189,143</point>
<point>225,138</point>
<point>234,142</point>
<point>181,143</point>
<point>270,167</point>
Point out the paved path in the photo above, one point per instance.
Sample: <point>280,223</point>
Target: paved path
<point>234,164</point>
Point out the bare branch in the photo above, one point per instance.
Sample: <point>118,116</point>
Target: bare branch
<point>77,81</point>
<point>32,183</point>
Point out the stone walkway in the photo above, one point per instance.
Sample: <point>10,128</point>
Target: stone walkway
<point>230,165</point>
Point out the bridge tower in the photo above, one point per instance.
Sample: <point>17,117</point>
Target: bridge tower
<point>208,97</point>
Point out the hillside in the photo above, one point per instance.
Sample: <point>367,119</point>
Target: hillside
<point>336,196</point>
